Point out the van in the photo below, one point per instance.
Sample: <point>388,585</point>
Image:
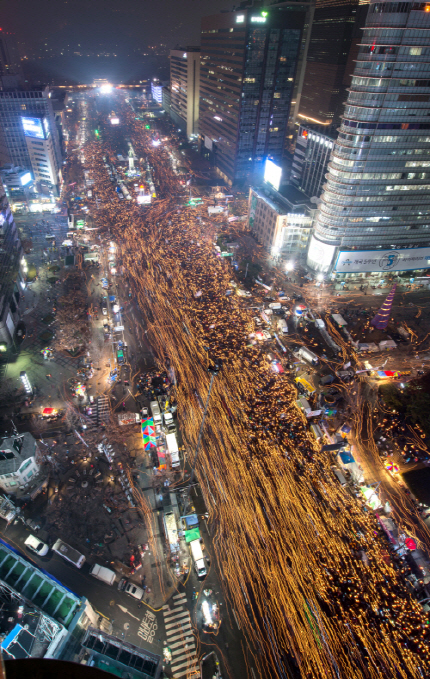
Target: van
<point>282,326</point>
<point>68,553</point>
<point>198,558</point>
<point>340,477</point>
<point>308,356</point>
<point>155,410</point>
<point>37,546</point>
<point>103,574</point>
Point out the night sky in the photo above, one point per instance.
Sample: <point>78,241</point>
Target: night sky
<point>104,24</point>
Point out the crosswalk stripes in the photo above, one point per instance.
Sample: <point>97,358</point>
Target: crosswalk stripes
<point>180,639</point>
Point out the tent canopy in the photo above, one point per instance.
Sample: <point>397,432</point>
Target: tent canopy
<point>192,534</point>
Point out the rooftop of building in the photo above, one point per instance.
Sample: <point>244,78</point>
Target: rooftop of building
<point>329,131</point>
<point>22,629</point>
<point>14,450</point>
<point>287,199</point>
<point>119,657</point>
<point>39,589</point>
<point>17,92</point>
<point>189,48</point>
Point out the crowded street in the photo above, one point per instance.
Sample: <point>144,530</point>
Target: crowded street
<point>304,564</point>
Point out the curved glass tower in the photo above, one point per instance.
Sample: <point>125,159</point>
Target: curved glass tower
<point>377,194</point>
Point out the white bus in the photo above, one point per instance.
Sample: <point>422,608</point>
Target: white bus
<point>173,450</point>
<point>68,553</point>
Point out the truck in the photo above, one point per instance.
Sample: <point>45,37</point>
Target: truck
<point>173,450</point>
<point>103,574</point>
<point>155,410</point>
<point>307,387</point>
<point>282,326</point>
<point>68,553</point>
<point>308,356</point>
<point>169,422</point>
<point>198,558</point>
<point>171,529</point>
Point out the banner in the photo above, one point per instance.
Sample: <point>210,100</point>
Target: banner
<point>382,260</point>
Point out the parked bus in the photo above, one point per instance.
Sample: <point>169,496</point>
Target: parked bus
<point>68,553</point>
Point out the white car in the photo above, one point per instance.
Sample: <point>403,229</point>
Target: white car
<point>37,546</point>
<point>131,589</point>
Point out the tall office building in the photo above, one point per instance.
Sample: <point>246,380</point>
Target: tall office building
<point>251,73</point>
<point>12,275</point>
<point>185,88</point>
<point>31,135</point>
<point>333,47</point>
<point>311,158</point>
<point>377,196</point>
<point>11,74</point>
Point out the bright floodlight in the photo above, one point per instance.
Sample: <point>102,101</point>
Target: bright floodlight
<point>289,266</point>
<point>320,277</point>
<point>106,89</point>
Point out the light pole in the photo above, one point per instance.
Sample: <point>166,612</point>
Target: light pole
<point>213,370</point>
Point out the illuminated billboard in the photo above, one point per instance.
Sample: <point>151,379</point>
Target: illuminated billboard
<point>25,179</point>
<point>33,127</point>
<point>114,121</point>
<point>46,127</point>
<point>272,174</point>
<point>382,260</point>
<point>320,255</point>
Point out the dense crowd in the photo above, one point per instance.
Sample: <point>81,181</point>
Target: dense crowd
<point>307,569</point>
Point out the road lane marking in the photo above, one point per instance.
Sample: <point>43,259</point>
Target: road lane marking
<point>190,648</point>
<point>188,640</point>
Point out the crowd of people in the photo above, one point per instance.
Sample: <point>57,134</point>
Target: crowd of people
<point>307,568</point>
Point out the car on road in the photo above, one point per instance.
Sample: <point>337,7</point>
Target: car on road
<point>131,589</point>
<point>36,546</point>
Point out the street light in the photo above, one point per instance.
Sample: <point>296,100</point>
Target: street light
<point>213,370</point>
<point>26,382</point>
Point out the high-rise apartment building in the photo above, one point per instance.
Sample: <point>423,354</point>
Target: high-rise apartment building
<point>185,88</point>
<point>251,73</point>
<point>27,120</point>
<point>333,46</point>
<point>375,209</point>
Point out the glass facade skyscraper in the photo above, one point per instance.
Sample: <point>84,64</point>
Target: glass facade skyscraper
<point>252,68</point>
<point>377,194</point>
